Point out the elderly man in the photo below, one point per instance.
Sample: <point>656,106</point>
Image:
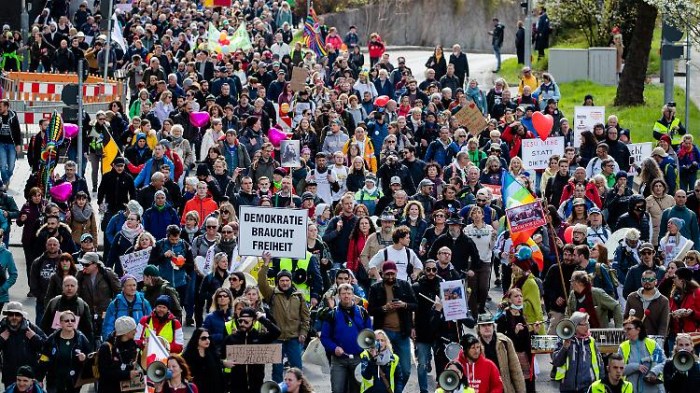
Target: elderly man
<point>68,300</point>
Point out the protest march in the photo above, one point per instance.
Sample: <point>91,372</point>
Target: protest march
<point>252,201</point>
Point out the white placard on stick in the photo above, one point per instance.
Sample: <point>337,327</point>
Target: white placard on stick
<point>454,300</point>
<point>536,152</point>
<point>585,117</point>
<point>135,262</point>
<point>640,151</point>
<point>280,231</point>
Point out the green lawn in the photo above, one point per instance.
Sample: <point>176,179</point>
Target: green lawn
<point>639,120</point>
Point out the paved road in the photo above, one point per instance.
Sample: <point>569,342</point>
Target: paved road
<point>480,65</point>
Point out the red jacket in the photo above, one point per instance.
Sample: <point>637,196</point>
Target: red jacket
<point>335,41</point>
<point>591,193</point>
<point>178,340</point>
<point>376,49</point>
<point>688,324</point>
<point>177,161</point>
<point>202,206</point>
<point>514,140</point>
<point>483,375</point>
<point>354,249</point>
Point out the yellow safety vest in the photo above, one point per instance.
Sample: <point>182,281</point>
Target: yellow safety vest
<point>230,325</point>
<point>561,371</point>
<point>167,332</point>
<point>649,343</point>
<point>676,139</point>
<point>367,384</point>
<point>286,264</point>
<point>599,387</point>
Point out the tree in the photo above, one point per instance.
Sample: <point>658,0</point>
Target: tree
<point>630,90</point>
<point>593,18</point>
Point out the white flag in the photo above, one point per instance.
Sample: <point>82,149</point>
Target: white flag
<point>116,35</point>
<point>156,351</point>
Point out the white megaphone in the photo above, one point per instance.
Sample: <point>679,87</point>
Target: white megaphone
<point>273,387</point>
<point>366,339</point>
<point>158,372</point>
<point>565,329</point>
<point>683,361</point>
<point>449,380</point>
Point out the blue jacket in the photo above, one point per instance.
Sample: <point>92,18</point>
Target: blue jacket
<point>144,177</point>
<point>176,277</point>
<point>602,280</point>
<point>386,90</point>
<point>215,323</point>
<point>157,220</point>
<point>668,168</point>
<point>439,152</point>
<point>115,225</point>
<point>377,132</point>
<point>35,388</point>
<point>7,264</point>
<point>336,331</point>
<point>119,308</point>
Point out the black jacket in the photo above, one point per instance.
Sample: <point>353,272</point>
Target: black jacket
<point>552,281</point>
<point>18,350</point>
<point>116,190</point>
<point>386,172</point>
<point>48,361</point>
<point>249,377</point>
<point>616,205</point>
<point>461,64</point>
<point>465,255</point>
<point>402,291</point>
<point>630,220</point>
<point>115,362</point>
<point>429,288</point>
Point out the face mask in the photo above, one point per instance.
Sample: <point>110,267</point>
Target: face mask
<point>639,209</point>
<point>514,307</point>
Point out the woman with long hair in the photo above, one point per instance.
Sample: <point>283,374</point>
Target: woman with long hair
<point>674,245</point>
<point>179,380</point>
<point>587,148</point>
<point>414,218</point>
<point>644,359</point>
<point>306,135</point>
<point>125,239</point>
<point>29,218</point>
<point>657,202</point>
<point>433,172</point>
<point>684,304</point>
<point>357,172</point>
<point>649,171</point>
<point>252,293</point>
<point>379,364</point>
<point>437,228</point>
<point>82,218</point>
<point>492,172</point>
<point>511,322</point>
<point>578,215</point>
<point>666,284</point>
<point>220,313</point>
<point>437,62</point>
<point>65,267</point>
<point>203,357</point>
<point>358,237</point>
<point>676,381</point>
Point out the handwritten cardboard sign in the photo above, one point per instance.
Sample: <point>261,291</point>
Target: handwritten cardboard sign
<point>298,81</point>
<point>133,385</point>
<point>254,353</point>
<point>471,117</point>
<point>135,262</point>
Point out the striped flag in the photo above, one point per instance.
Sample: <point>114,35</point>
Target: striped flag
<point>513,193</point>
<point>312,34</point>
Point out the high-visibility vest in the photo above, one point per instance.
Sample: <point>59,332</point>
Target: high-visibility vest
<point>662,129</point>
<point>625,348</point>
<point>465,390</point>
<point>599,387</point>
<point>286,264</point>
<point>167,332</point>
<point>561,371</point>
<point>368,383</point>
<point>230,325</point>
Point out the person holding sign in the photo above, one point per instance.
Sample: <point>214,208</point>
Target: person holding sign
<point>289,310</point>
<point>117,357</point>
<point>248,378</point>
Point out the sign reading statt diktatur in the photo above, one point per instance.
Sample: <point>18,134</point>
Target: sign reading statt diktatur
<point>536,152</point>
<point>282,232</point>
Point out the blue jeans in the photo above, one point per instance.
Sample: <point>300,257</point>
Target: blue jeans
<point>424,356</point>
<point>402,348</point>
<point>39,311</point>
<point>291,348</point>
<point>497,52</point>
<point>8,157</point>
<point>189,304</point>
<point>687,181</point>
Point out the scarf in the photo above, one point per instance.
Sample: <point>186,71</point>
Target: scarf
<point>590,307</point>
<point>176,139</point>
<point>683,151</point>
<point>131,234</point>
<point>81,215</point>
<point>227,245</point>
<point>384,357</point>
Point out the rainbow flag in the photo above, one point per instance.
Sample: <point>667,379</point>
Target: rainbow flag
<point>217,3</point>
<point>312,34</point>
<point>513,193</point>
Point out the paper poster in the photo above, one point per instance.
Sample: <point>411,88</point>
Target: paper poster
<point>471,117</point>
<point>536,152</point>
<point>280,231</point>
<point>135,262</point>
<point>454,300</point>
<point>254,353</point>
<point>585,117</point>
<point>290,151</point>
<point>298,81</point>
<point>640,151</point>
<point>525,217</point>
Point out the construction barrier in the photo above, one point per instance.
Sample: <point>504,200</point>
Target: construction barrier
<point>40,88</point>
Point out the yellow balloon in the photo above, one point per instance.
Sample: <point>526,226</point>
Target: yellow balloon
<point>285,108</point>
<point>217,48</point>
<point>223,35</point>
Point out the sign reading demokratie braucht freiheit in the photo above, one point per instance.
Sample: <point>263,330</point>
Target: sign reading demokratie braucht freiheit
<point>280,231</point>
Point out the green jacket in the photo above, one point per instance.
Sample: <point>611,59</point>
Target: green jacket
<point>604,306</point>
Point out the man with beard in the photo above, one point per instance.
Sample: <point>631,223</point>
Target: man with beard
<point>633,280</point>
<point>598,304</point>
<point>285,197</point>
<point>60,230</point>
<point>164,324</point>
<point>20,342</point>
<point>482,374</point>
<point>265,165</point>
<point>392,303</point>
<point>649,298</point>
<point>555,296</point>
<point>324,178</point>
<point>249,374</point>
<point>391,168</point>
<point>245,195</point>
<point>42,269</point>
<point>154,286</point>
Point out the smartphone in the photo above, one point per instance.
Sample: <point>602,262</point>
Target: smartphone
<point>395,300</point>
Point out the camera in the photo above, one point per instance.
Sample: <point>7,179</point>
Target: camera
<point>671,104</point>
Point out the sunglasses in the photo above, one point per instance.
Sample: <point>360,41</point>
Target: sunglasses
<point>211,226</point>
<point>226,231</point>
<point>648,279</point>
<point>14,314</point>
<point>204,338</point>
<point>246,321</point>
<point>647,253</point>
<point>223,295</point>
<point>68,320</point>
<point>431,269</point>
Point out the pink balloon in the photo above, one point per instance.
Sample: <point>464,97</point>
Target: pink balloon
<point>61,192</point>
<point>381,101</point>
<point>276,136</point>
<point>569,234</point>
<point>543,124</point>
<point>199,119</point>
<point>70,130</point>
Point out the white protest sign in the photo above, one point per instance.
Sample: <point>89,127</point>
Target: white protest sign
<point>585,117</point>
<point>536,152</point>
<point>135,262</point>
<point>280,231</point>
<point>454,300</point>
<point>640,151</point>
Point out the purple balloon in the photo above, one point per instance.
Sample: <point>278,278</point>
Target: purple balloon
<point>70,130</point>
<point>61,192</point>
<point>199,119</point>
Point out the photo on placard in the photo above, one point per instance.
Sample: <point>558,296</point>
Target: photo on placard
<point>291,153</point>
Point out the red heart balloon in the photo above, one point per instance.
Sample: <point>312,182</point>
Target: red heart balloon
<point>569,234</point>
<point>543,124</point>
<point>381,101</point>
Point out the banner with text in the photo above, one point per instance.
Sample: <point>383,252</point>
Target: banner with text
<point>135,262</point>
<point>585,117</point>
<point>524,217</point>
<point>254,353</point>
<point>640,151</point>
<point>282,232</point>
<point>536,152</point>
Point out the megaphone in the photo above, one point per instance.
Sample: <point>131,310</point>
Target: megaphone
<point>157,372</point>
<point>565,329</point>
<point>273,387</point>
<point>449,380</point>
<point>366,339</point>
<point>683,361</point>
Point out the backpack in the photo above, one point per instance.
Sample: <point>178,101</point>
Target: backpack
<point>409,265</point>
<point>130,310</point>
<point>363,314</point>
<point>96,360</point>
